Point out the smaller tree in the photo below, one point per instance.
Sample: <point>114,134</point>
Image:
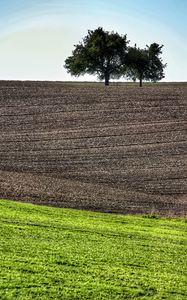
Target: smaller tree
<point>156,66</point>
<point>145,64</point>
<point>137,64</point>
<point>101,52</point>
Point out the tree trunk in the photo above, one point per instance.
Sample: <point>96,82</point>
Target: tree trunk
<point>140,82</point>
<point>107,77</point>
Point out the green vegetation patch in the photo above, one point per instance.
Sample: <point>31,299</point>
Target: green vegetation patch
<point>52,253</point>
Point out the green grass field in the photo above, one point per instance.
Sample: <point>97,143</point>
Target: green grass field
<point>51,253</point>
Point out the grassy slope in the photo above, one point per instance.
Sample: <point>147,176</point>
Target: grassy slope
<point>50,253</point>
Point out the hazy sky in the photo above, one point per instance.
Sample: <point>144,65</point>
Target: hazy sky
<point>36,36</point>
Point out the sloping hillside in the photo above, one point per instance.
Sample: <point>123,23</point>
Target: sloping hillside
<point>116,149</point>
<point>50,253</point>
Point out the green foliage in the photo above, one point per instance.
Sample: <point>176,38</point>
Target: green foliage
<point>50,253</point>
<point>101,53</point>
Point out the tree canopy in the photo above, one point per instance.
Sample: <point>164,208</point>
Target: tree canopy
<point>107,55</point>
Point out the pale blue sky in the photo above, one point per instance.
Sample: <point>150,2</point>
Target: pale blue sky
<point>36,36</point>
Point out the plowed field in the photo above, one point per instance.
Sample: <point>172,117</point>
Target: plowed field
<point>114,149</point>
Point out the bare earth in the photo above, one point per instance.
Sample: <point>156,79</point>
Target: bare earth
<point>114,149</point>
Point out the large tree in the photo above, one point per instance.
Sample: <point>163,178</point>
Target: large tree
<point>101,53</point>
<point>145,64</point>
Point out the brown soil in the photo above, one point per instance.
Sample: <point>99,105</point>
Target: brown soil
<point>115,149</point>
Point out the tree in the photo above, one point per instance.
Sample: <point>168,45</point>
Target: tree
<point>145,64</point>
<point>101,52</point>
<point>156,66</point>
<point>138,64</point>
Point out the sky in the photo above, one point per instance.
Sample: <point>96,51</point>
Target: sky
<point>36,36</point>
